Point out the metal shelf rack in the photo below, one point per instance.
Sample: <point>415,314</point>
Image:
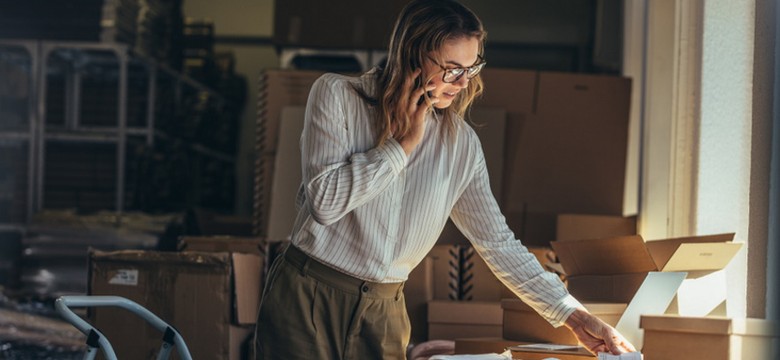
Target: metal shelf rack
<point>40,66</point>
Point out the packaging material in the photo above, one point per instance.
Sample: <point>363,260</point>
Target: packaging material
<point>581,226</point>
<point>482,345</point>
<point>244,245</point>
<point>577,122</point>
<point>418,291</point>
<point>605,288</point>
<point>599,269</point>
<point>670,337</point>
<point>459,273</point>
<point>197,292</point>
<point>580,124</point>
<point>522,323</point>
<point>449,320</point>
<point>287,174</point>
<point>277,89</point>
<point>248,257</point>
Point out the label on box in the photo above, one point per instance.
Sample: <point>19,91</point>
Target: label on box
<point>127,277</point>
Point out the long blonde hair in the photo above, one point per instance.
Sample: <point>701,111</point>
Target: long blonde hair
<point>422,28</point>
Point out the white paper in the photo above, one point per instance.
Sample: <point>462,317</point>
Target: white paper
<point>652,298</point>
<point>506,355</point>
<point>626,356</point>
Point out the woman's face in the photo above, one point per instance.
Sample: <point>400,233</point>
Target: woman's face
<point>455,53</point>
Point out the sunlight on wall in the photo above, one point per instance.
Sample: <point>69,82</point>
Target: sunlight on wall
<point>724,154</point>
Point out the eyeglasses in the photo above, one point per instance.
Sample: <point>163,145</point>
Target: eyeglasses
<point>452,75</point>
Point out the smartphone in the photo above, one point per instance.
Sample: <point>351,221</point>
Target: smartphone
<point>422,98</point>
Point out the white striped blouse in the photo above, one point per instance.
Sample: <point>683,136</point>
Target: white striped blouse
<point>374,213</point>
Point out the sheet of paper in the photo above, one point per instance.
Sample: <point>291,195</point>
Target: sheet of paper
<point>506,355</point>
<point>626,356</point>
<point>652,298</point>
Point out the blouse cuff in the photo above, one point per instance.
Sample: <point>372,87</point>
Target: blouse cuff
<point>558,313</point>
<point>394,153</point>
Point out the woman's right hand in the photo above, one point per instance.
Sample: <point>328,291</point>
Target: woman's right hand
<point>417,110</point>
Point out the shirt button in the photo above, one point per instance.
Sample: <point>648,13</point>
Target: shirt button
<point>365,288</point>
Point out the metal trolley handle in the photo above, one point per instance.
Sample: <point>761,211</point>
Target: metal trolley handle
<point>96,339</point>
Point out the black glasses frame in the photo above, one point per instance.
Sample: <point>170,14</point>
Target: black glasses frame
<point>470,71</point>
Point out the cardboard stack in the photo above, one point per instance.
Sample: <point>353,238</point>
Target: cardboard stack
<point>277,89</point>
<point>210,297</point>
<point>670,337</point>
<point>565,153</point>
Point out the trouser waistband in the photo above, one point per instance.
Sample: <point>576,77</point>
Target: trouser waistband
<point>309,266</point>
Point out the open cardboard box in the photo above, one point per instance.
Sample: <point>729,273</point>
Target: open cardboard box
<point>614,269</point>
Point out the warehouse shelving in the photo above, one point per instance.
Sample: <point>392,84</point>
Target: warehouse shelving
<point>43,119</point>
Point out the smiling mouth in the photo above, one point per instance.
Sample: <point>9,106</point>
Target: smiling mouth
<point>450,94</point>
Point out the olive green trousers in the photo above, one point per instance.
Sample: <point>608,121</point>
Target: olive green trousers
<point>311,311</point>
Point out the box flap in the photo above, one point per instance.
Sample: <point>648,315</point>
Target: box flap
<point>616,255</point>
<point>465,312</point>
<point>702,257</point>
<point>247,286</point>
<point>248,245</point>
<point>663,250</point>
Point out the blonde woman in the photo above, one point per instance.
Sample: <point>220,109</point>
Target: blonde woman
<point>387,158</point>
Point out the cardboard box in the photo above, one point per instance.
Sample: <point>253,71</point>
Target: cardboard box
<point>630,257</point>
<point>577,122</point>
<point>522,323</point>
<point>349,24</point>
<point>277,89</point>
<point>244,245</point>
<point>287,174</point>
<point>669,337</point>
<point>448,320</point>
<point>482,345</point>
<point>459,273</point>
<point>581,227</point>
<point>192,291</point>
<point>605,288</point>
<point>248,261</point>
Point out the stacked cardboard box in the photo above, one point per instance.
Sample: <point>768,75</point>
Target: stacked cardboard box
<point>670,337</point>
<point>210,297</point>
<point>566,141</point>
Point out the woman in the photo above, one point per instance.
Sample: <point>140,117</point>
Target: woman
<point>386,159</point>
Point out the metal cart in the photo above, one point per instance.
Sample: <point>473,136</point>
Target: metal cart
<point>95,339</point>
